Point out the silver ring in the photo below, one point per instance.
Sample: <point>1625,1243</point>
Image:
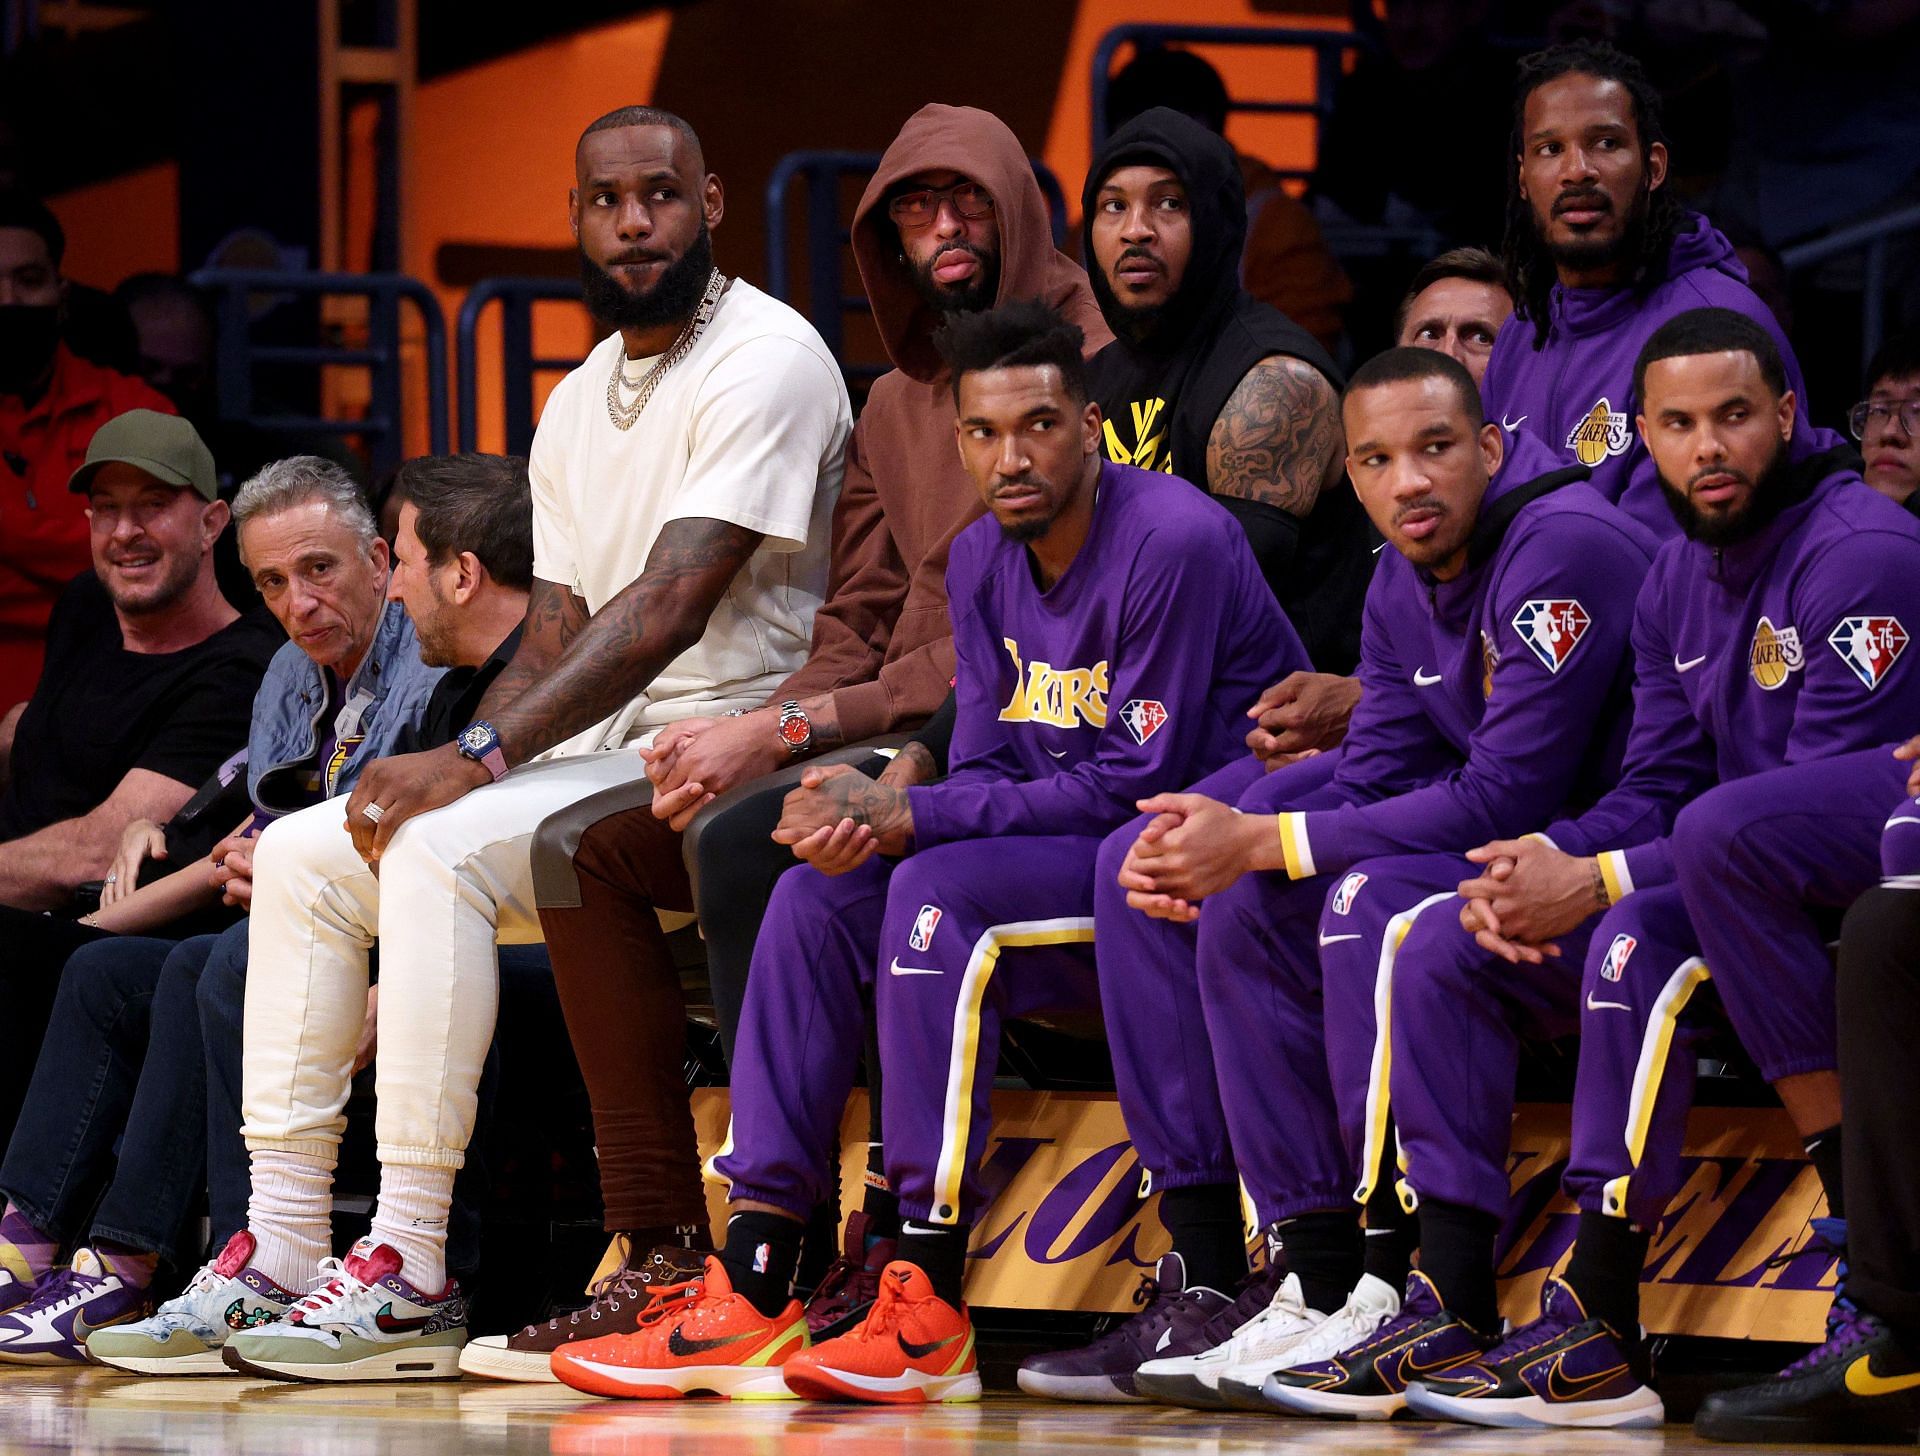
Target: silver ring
<point>372,813</point>
<point>112,879</point>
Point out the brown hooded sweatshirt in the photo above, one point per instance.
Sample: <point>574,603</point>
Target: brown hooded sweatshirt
<point>882,641</point>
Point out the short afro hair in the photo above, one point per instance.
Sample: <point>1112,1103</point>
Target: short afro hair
<point>1711,331</point>
<point>625,116</point>
<point>1024,332</point>
<point>1405,363</point>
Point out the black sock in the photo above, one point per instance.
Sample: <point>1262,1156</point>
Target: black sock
<point>879,1203</point>
<point>1207,1233</point>
<point>1608,1255</point>
<point>763,1250</point>
<point>819,1244</point>
<point>1391,1236</point>
<point>1456,1253</point>
<point>1324,1250</point>
<point>940,1252</point>
<point>1824,1149</point>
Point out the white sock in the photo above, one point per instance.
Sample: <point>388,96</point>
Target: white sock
<point>290,1215</point>
<point>412,1220</point>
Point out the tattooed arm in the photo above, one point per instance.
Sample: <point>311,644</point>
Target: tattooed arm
<point>1277,441</point>
<point>613,655</point>
<point>554,618</point>
<point>841,794</point>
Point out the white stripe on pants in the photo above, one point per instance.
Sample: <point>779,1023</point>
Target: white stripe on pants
<point>453,883</point>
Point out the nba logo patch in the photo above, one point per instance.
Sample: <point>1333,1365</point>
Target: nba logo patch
<point>924,925</point>
<point>1551,629</point>
<point>1869,645</point>
<point>1144,717</point>
<point>1601,434</point>
<point>1344,896</point>
<point>1616,961</point>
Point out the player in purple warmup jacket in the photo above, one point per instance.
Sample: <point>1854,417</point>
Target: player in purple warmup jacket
<point>1111,629</point>
<point>1495,664</point>
<point>1750,674</point>
<point>1599,255</point>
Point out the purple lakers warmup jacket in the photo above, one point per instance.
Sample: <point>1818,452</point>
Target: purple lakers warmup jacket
<point>1576,394</point>
<point>1497,697</point>
<point>1786,648</point>
<point>1129,676</point>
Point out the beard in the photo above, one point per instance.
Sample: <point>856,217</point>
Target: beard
<point>434,629</point>
<point>180,574</point>
<point>1586,254</point>
<point>976,294</point>
<point>1772,493</point>
<point>671,300</point>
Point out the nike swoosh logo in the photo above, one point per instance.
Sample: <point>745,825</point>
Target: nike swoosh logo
<point>1690,664</point>
<point>1061,754</point>
<point>1335,939</point>
<point>899,970</point>
<point>1862,1381</point>
<point>1559,1387</point>
<point>1166,1339</point>
<point>1511,425</point>
<point>1421,680</point>
<point>678,1344</point>
<point>386,1322</point>
<point>920,1352</point>
<point>1593,1005</point>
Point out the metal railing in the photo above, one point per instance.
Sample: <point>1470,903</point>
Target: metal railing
<point>1874,240</point>
<point>1330,49</point>
<point>824,237</point>
<point>238,355</point>
<point>518,362</point>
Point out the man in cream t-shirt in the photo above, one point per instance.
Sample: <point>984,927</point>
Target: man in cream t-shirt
<point>683,483</point>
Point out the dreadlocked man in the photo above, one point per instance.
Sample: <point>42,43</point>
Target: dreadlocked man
<point>1598,255</point>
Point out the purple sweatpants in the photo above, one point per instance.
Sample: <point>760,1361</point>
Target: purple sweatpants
<point>943,946</point>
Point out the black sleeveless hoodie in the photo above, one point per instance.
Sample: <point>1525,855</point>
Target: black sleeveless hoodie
<point>1170,386</point>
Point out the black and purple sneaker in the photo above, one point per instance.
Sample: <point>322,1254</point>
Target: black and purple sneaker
<point>1368,1381</point>
<point>1563,1369</point>
<point>67,1306</point>
<point>1174,1320</point>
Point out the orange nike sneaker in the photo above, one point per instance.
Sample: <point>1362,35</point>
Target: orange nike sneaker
<point>912,1347</point>
<point>698,1339</point>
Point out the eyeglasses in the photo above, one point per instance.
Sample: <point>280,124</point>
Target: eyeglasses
<point>1877,414</point>
<point>919,209</point>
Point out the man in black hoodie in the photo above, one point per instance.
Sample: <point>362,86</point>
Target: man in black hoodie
<point>1205,381</point>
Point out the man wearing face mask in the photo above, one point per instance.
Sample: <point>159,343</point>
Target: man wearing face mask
<point>51,402</point>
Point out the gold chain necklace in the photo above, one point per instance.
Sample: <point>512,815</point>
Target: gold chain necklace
<point>623,415</point>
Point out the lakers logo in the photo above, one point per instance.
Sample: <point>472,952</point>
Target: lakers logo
<point>1775,653</point>
<point>1489,660</point>
<point>1150,449</point>
<point>1600,435</point>
<point>1061,697</point>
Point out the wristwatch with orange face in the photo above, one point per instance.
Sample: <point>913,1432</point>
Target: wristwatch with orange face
<point>796,729</point>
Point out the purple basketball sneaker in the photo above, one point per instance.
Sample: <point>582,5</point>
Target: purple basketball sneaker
<point>1564,1369</point>
<point>1174,1320</point>
<point>67,1306</point>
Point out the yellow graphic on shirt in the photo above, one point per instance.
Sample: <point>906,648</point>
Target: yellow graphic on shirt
<point>1775,653</point>
<point>337,761</point>
<point>1601,433</point>
<point>1489,660</point>
<point>1060,697</point>
<point>1151,450</point>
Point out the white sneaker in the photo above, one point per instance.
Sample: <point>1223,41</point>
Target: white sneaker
<point>1194,1380</point>
<point>188,1333</point>
<point>1372,1303</point>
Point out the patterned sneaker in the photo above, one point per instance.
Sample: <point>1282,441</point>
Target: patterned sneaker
<point>186,1334</point>
<point>851,1282</point>
<point>1372,1303</point>
<point>1564,1369</point>
<point>68,1305</point>
<point>1368,1381</point>
<point>699,1339</point>
<point>618,1302</point>
<point>912,1348</point>
<point>1194,1380</point>
<point>1858,1386</point>
<point>1171,1322</point>
<point>364,1322</point>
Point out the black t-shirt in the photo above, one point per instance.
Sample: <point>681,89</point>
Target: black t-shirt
<point>101,710</point>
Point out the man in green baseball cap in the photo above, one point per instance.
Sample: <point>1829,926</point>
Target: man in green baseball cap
<point>165,447</point>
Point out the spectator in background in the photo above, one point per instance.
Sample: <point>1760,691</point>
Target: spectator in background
<point>51,402</point>
<point>174,339</point>
<point>1887,421</point>
<point>151,670</point>
<point>1456,304</point>
<point>1284,260</point>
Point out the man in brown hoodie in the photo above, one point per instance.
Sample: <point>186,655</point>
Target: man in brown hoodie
<point>952,220</point>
